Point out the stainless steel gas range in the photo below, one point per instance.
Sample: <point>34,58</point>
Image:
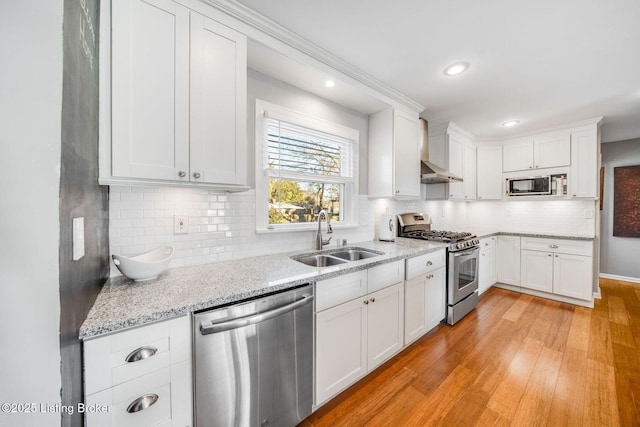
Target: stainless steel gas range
<point>463,251</point>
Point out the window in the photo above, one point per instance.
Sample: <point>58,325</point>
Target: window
<point>305,164</point>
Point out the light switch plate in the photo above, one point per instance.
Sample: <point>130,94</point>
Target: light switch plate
<point>180,223</point>
<point>78,238</point>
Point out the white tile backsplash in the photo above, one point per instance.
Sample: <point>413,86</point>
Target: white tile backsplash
<point>221,226</point>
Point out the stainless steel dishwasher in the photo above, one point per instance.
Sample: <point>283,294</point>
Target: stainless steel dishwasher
<point>254,362</point>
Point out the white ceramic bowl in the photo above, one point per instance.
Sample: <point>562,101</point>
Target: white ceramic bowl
<point>145,266</point>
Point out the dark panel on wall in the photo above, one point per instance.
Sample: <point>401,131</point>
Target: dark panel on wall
<point>626,201</point>
<point>80,194</point>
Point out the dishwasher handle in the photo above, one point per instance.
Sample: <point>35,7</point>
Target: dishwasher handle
<point>227,325</point>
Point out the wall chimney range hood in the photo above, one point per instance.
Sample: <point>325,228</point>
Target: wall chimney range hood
<point>431,173</point>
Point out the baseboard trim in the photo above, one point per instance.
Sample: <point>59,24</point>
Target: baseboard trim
<point>622,278</point>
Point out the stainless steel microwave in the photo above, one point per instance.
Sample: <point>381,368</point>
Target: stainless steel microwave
<point>530,186</point>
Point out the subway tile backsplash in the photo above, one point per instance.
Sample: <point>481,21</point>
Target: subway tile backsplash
<point>221,226</point>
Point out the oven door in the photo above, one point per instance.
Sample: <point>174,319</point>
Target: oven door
<point>463,274</point>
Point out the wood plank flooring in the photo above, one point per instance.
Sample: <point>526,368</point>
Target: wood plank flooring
<point>517,360</point>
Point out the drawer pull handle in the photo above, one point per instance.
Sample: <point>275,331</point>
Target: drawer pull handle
<point>429,263</point>
<point>142,403</point>
<point>141,354</point>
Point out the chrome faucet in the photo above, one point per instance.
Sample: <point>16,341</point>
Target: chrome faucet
<point>320,242</point>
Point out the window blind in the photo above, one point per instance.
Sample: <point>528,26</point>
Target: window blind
<point>297,149</point>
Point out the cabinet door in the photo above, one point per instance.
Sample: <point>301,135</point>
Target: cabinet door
<point>218,102</point>
<point>584,164</point>
<point>508,260</point>
<point>572,276</point>
<point>385,325</point>
<point>552,151</point>
<point>341,347</point>
<point>489,172</point>
<point>414,309</point>
<point>456,166</point>
<point>487,269</point>
<point>537,270</point>
<point>406,155</point>
<point>517,156</point>
<point>150,89</point>
<point>435,298</point>
<point>469,172</point>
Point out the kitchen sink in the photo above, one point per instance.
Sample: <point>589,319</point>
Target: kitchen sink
<point>320,260</point>
<point>354,254</point>
<point>336,257</point>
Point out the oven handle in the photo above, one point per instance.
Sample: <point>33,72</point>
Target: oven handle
<point>467,252</point>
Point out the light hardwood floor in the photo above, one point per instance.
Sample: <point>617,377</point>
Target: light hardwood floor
<point>516,360</point>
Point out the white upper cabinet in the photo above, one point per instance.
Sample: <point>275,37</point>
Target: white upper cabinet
<point>455,162</point>
<point>394,154</point>
<point>150,89</point>
<point>538,152</point>
<point>218,102</point>
<point>469,172</point>
<point>178,97</point>
<point>584,164</point>
<point>489,172</point>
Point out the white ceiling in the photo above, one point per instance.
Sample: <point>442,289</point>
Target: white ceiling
<point>544,62</point>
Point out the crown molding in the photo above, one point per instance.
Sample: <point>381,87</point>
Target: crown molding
<point>253,19</point>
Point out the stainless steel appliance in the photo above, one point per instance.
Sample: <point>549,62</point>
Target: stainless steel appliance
<point>463,251</point>
<point>530,186</point>
<point>254,362</point>
<point>430,172</point>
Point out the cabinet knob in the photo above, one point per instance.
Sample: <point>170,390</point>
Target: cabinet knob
<point>397,191</point>
<point>557,256</point>
<point>372,300</point>
<point>479,197</point>
<point>142,403</point>
<point>450,195</point>
<point>182,174</point>
<point>548,254</point>
<point>574,195</point>
<point>365,302</point>
<point>429,263</point>
<point>196,175</point>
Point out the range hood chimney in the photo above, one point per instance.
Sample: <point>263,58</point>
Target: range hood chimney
<point>430,173</point>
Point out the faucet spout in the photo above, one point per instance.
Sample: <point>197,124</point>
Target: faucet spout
<point>320,242</point>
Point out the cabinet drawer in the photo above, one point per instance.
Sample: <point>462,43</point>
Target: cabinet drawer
<point>573,247</point>
<point>337,290</point>
<point>158,345</point>
<point>119,398</point>
<point>384,275</point>
<point>424,263</point>
<point>487,244</point>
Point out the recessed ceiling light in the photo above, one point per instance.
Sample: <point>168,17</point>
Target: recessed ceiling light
<point>329,83</point>
<point>510,123</point>
<point>455,69</point>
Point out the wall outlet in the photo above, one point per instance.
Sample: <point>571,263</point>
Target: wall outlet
<point>78,238</point>
<point>181,223</point>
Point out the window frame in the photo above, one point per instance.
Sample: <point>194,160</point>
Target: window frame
<point>266,110</point>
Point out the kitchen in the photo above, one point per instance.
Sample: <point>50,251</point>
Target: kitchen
<point>42,250</point>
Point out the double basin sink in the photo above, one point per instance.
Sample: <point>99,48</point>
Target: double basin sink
<point>335,257</point>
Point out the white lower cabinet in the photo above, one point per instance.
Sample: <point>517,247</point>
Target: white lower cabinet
<point>508,260</point>
<point>487,272</point>
<point>353,337</point>
<point>558,266</point>
<point>142,375</point>
<point>425,295</point>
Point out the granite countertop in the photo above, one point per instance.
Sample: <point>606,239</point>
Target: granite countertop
<point>483,232</point>
<point>123,303</point>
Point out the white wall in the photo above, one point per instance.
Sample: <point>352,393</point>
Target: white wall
<point>30,127</point>
<point>618,255</point>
